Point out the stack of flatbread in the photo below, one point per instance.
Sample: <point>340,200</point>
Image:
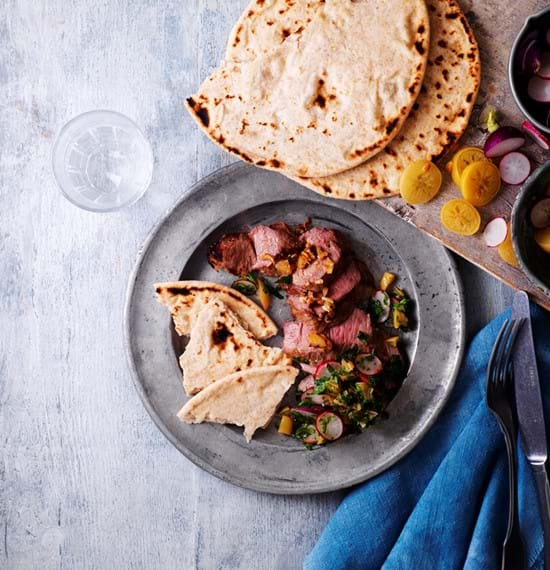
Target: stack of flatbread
<point>231,375</point>
<point>341,95</point>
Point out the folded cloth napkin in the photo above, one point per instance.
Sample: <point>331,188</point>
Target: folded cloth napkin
<point>444,505</point>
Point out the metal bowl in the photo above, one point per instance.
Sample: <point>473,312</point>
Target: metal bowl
<point>534,262</point>
<point>538,21</point>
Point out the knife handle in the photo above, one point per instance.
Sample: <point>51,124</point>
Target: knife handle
<point>543,490</point>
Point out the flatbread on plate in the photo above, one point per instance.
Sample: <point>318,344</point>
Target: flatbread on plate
<point>249,398</point>
<point>186,299</point>
<point>321,97</point>
<point>438,118</point>
<point>219,345</point>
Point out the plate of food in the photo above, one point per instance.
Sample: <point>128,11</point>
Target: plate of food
<point>288,343</point>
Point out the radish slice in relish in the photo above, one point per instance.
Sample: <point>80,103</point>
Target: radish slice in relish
<point>322,370</point>
<point>495,232</point>
<point>540,214</point>
<point>307,383</point>
<point>329,425</point>
<point>381,301</point>
<point>368,364</point>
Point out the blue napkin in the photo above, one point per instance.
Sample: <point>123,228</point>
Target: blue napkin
<point>444,505</point>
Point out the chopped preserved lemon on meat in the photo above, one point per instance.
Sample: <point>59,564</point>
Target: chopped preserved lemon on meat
<point>285,425</point>
<point>506,250</point>
<point>283,267</point>
<point>387,281</point>
<point>542,237</point>
<point>393,340</point>
<point>399,319</point>
<point>319,341</point>
<point>464,158</point>
<point>263,295</point>
<point>460,217</point>
<point>347,365</point>
<point>420,182</point>
<point>480,182</point>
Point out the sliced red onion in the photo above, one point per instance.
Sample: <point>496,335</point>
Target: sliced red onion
<point>503,141</point>
<point>308,368</point>
<point>540,214</point>
<point>544,70</point>
<point>329,425</point>
<point>307,383</point>
<point>306,412</point>
<point>495,232</point>
<point>321,399</point>
<point>536,135</point>
<point>514,168</point>
<point>529,54</point>
<point>369,364</point>
<point>383,298</point>
<point>539,89</point>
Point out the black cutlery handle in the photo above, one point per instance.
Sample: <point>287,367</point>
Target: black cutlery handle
<point>543,490</point>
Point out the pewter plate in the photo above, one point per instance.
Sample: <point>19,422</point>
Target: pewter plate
<point>240,195</point>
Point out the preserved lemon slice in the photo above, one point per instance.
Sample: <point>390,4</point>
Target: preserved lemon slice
<point>460,217</point>
<point>506,250</point>
<point>542,237</point>
<point>420,182</point>
<point>480,182</point>
<point>464,158</point>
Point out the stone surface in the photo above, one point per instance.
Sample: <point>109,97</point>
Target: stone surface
<point>86,479</point>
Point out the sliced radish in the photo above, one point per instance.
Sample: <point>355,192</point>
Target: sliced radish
<point>308,368</point>
<point>369,364</point>
<point>514,168</point>
<point>536,135</point>
<point>307,383</point>
<point>539,89</point>
<point>311,438</point>
<point>540,214</point>
<point>383,298</point>
<point>544,70</point>
<point>503,141</point>
<point>306,394</point>
<point>329,425</point>
<point>495,232</point>
<point>322,369</point>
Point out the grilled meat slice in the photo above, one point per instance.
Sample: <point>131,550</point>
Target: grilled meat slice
<point>271,244</point>
<point>345,335</point>
<point>345,282</point>
<point>297,342</point>
<point>233,253</point>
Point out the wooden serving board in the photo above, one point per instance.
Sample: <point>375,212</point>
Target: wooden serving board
<point>496,25</point>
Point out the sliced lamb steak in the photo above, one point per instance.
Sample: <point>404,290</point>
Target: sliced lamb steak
<point>328,240</point>
<point>272,243</point>
<point>233,253</point>
<point>296,342</point>
<point>345,335</point>
<point>345,282</point>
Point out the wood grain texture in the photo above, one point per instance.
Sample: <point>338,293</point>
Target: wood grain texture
<point>495,24</point>
<point>86,480</point>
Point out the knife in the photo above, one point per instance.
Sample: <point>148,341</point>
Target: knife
<point>530,411</point>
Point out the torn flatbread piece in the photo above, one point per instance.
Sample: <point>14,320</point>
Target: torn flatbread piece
<point>249,398</point>
<point>186,299</point>
<point>219,345</point>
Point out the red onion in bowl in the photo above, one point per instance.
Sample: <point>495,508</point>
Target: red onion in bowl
<point>529,54</point>
<point>539,89</point>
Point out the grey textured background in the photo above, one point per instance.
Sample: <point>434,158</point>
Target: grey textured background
<point>86,480</point>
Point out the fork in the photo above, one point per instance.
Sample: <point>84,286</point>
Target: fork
<point>498,395</point>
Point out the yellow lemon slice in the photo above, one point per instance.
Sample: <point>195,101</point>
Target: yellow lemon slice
<point>460,217</point>
<point>506,250</point>
<point>464,158</point>
<point>542,237</point>
<point>480,182</point>
<point>420,182</point>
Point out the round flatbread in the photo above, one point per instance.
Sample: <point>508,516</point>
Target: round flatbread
<point>438,118</point>
<point>321,96</point>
